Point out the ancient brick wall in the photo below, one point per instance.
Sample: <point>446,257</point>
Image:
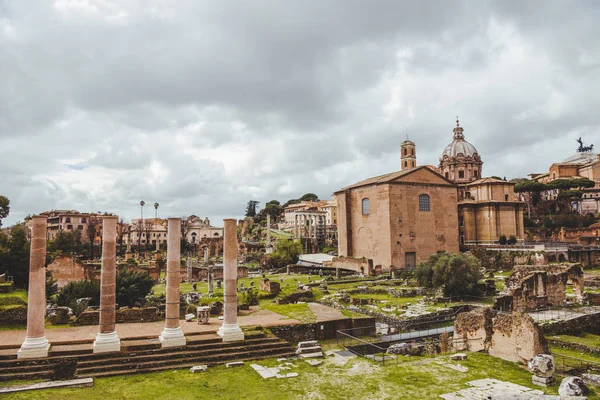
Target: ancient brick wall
<point>67,269</point>
<point>147,314</point>
<point>422,232</point>
<point>513,337</point>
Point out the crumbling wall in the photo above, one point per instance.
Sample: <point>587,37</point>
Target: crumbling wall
<point>359,265</point>
<point>513,337</point>
<point>534,287</point>
<point>67,269</point>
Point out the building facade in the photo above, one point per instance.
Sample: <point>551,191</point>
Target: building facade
<point>398,219</point>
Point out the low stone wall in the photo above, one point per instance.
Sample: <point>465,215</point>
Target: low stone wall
<point>359,265</point>
<point>301,295</point>
<point>13,315</point>
<point>92,317</point>
<point>6,287</point>
<point>574,326</point>
<point>322,330</point>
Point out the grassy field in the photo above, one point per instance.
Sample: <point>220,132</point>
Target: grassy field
<point>335,380</point>
<point>587,339</point>
<point>17,297</point>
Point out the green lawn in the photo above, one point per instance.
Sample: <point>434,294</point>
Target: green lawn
<point>356,379</point>
<point>587,339</point>
<point>300,312</point>
<point>13,298</point>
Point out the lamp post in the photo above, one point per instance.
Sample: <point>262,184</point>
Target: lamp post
<point>142,204</point>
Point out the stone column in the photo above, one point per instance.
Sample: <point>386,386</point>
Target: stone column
<point>172,335</point>
<point>206,254</point>
<point>230,330</point>
<point>158,242</point>
<point>36,345</point>
<point>210,280</point>
<point>107,339</point>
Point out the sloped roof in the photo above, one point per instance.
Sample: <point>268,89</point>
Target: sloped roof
<point>489,180</point>
<point>388,178</point>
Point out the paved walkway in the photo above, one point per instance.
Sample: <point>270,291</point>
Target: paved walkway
<point>254,316</point>
<point>325,313</point>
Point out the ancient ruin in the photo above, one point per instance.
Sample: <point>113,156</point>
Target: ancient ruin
<point>533,287</point>
<point>35,344</point>
<point>510,336</point>
<point>107,339</point>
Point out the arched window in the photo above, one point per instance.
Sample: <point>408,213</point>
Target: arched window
<point>424,202</point>
<point>405,151</point>
<point>366,206</point>
<point>405,164</point>
<point>216,234</point>
<point>83,220</point>
<point>68,219</point>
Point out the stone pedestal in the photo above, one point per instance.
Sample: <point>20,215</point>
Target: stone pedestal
<point>172,335</point>
<point>107,339</point>
<point>36,345</point>
<point>542,381</point>
<point>230,331</point>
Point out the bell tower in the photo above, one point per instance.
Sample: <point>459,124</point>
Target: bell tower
<point>408,154</point>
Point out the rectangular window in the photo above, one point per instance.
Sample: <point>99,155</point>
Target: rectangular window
<point>424,203</point>
<point>366,206</point>
<point>410,259</point>
<point>461,174</point>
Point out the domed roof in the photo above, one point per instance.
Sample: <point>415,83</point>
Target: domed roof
<point>459,145</point>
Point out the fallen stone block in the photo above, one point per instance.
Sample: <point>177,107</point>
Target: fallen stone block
<point>303,350</point>
<point>73,383</point>
<point>458,357</point>
<point>308,343</point>
<point>318,354</point>
<point>199,368</point>
<point>591,379</point>
<point>189,317</point>
<point>314,363</point>
<point>572,386</point>
<point>234,364</point>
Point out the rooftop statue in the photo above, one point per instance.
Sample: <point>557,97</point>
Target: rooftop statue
<point>582,148</point>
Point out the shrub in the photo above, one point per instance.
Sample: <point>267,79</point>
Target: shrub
<point>133,286</point>
<point>503,240</point>
<point>64,369</point>
<point>76,290</point>
<point>512,239</point>
<point>250,297</point>
<point>13,314</point>
<point>457,274</point>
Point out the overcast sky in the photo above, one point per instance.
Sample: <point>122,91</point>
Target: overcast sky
<point>203,105</point>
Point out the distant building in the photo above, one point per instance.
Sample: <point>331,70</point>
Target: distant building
<point>400,219</point>
<point>580,165</point>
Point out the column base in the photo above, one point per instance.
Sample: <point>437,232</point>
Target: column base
<point>34,348</point>
<point>172,337</point>
<point>107,342</point>
<point>231,333</point>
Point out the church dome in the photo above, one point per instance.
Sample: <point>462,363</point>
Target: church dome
<point>459,145</point>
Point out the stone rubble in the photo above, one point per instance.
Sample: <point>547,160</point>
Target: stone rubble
<point>572,386</point>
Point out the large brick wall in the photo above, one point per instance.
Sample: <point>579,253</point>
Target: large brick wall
<point>67,269</point>
<point>394,225</point>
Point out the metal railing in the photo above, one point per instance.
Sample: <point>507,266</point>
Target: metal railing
<point>574,365</point>
<point>375,348</point>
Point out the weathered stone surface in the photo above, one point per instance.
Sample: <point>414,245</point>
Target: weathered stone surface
<point>513,337</point>
<point>199,368</point>
<point>399,348</point>
<point>572,386</point>
<point>591,379</point>
<point>543,381</point>
<point>234,364</point>
<point>458,357</point>
<point>542,365</point>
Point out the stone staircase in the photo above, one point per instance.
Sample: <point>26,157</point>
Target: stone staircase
<point>144,354</point>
